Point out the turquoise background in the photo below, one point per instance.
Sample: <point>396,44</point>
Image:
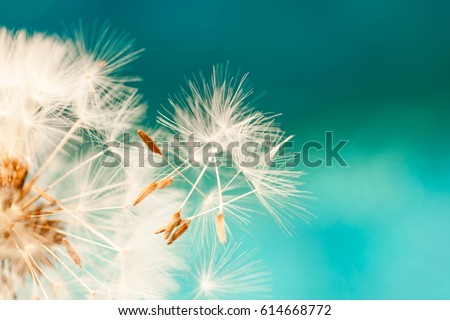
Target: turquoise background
<point>376,73</point>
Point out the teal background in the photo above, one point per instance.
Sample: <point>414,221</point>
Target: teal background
<point>376,73</point>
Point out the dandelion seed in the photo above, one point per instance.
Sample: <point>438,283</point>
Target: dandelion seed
<point>174,222</point>
<point>149,189</point>
<point>149,142</point>
<point>179,231</point>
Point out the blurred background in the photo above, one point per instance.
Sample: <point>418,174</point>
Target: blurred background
<point>376,73</point>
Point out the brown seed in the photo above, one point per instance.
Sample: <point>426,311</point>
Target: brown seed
<point>220,228</point>
<point>174,222</point>
<point>179,232</point>
<point>72,253</point>
<point>164,182</point>
<point>151,144</point>
<point>148,189</point>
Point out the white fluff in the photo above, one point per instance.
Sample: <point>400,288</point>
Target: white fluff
<point>219,111</point>
<point>59,97</point>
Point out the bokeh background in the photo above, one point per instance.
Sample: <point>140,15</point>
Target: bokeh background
<point>375,72</point>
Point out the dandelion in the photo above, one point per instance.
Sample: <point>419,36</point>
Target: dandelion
<point>73,224</point>
<point>219,114</point>
<point>67,229</point>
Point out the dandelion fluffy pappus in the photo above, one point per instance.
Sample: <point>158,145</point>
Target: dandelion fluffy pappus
<point>218,113</point>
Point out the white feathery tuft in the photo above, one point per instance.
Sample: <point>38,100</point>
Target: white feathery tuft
<point>229,272</point>
<point>219,115</point>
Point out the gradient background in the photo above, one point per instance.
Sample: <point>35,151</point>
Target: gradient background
<point>375,72</point>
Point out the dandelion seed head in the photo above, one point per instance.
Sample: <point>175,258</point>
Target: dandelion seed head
<point>60,208</point>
